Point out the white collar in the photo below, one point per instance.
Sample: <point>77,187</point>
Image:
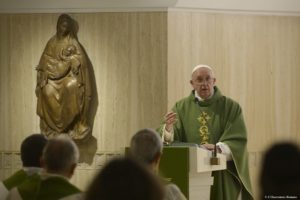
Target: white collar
<point>32,170</point>
<point>197,96</point>
<point>45,175</point>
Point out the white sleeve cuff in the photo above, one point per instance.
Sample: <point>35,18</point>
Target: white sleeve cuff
<point>167,136</point>
<point>225,150</point>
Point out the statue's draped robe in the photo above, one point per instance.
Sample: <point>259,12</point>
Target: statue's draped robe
<point>224,123</point>
<point>62,97</point>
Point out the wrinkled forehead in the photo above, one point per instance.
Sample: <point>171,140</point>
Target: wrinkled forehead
<point>202,70</point>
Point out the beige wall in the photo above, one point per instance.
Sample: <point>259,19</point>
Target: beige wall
<point>142,63</point>
<point>128,52</point>
<point>256,61</point>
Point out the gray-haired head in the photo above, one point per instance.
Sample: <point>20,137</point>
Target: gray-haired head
<point>146,145</point>
<point>60,155</point>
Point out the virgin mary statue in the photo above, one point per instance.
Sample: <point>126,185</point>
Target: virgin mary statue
<point>63,85</point>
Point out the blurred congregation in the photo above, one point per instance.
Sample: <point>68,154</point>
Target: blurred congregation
<point>48,164</point>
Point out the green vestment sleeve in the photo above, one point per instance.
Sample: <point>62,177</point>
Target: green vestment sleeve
<point>237,173</point>
<point>16,179</point>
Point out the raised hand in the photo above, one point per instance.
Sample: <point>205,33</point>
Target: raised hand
<point>170,119</point>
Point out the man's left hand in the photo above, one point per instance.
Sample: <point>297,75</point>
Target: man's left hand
<point>211,147</point>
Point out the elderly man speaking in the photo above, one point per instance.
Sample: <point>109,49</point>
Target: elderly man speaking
<point>208,118</point>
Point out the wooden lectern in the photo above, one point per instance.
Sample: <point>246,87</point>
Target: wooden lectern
<point>190,169</point>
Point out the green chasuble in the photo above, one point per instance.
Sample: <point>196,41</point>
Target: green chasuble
<point>11,182</point>
<point>218,119</point>
<point>16,179</point>
<point>53,187</point>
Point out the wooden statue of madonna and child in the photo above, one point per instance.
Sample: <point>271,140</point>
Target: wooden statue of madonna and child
<point>63,84</point>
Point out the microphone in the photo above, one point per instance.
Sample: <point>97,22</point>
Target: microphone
<point>214,160</point>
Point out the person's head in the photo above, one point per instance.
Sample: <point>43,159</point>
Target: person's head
<point>60,156</point>
<point>65,26</point>
<point>124,178</point>
<point>280,174</point>
<point>203,81</point>
<point>32,149</point>
<point>146,146</point>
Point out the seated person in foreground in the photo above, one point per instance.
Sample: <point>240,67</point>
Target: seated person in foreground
<point>59,161</point>
<point>280,172</point>
<point>146,147</point>
<point>125,179</point>
<point>31,153</point>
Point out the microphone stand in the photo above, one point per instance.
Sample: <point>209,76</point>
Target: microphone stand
<point>214,160</point>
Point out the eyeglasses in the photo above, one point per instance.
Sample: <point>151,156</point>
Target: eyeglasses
<point>200,80</point>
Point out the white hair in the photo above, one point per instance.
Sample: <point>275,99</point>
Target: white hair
<point>60,154</point>
<point>202,66</point>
